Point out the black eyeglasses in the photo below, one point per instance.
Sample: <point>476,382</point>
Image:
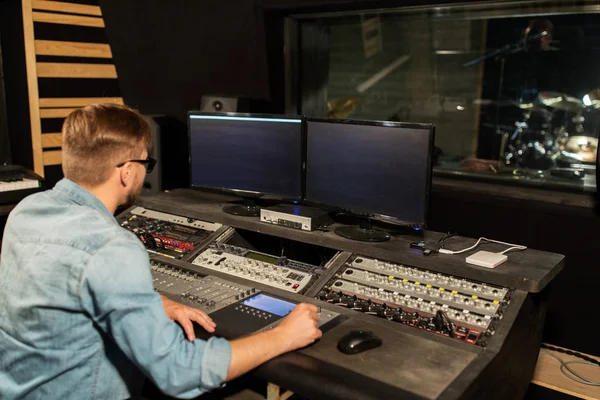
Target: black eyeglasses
<point>149,163</point>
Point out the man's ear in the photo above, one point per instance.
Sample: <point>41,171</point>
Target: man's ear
<point>125,175</point>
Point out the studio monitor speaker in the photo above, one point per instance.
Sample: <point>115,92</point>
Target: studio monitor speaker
<point>170,149</point>
<point>232,104</point>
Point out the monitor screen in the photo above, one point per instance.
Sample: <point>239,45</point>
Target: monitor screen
<point>248,153</point>
<point>373,168</point>
<point>270,304</point>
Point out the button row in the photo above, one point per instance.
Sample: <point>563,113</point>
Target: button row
<point>253,312</point>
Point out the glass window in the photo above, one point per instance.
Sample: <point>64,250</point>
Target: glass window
<point>514,90</point>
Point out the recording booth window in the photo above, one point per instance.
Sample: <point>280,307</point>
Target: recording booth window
<point>513,90</point>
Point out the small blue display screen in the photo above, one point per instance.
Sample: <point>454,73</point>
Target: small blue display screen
<point>269,304</point>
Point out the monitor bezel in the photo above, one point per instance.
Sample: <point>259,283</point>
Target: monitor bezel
<point>244,192</point>
<point>430,128</point>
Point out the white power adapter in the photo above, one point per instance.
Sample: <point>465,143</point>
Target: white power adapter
<point>486,259</point>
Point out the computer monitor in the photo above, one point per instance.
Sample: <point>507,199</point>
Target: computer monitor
<point>249,154</point>
<point>374,169</point>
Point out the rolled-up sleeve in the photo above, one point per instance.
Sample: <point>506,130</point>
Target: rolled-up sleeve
<point>116,290</point>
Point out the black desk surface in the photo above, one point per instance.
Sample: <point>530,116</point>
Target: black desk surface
<point>529,270</point>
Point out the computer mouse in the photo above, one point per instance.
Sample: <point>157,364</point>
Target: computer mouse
<point>357,341</point>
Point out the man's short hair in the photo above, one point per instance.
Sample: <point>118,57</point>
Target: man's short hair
<point>98,137</point>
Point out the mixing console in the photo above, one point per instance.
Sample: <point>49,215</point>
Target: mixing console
<point>278,272</point>
<point>237,309</point>
<point>166,234</point>
<point>443,304</point>
<point>206,293</point>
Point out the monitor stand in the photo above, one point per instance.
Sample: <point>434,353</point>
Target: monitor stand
<point>364,232</point>
<point>248,209</point>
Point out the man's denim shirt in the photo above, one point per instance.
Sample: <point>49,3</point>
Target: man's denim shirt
<point>79,318</point>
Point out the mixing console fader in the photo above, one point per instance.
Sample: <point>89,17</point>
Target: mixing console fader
<point>464,310</point>
<point>237,309</point>
<point>207,293</point>
<point>279,272</point>
<point>166,234</point>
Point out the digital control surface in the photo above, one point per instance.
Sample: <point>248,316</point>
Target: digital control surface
<point>237,309</point>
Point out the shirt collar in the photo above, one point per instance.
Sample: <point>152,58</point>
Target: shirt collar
<point>83,197</point>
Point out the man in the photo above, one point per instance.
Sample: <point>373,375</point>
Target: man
<point>538,35</point>
<point>78,315</point>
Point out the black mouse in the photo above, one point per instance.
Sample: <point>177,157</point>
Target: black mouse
<point>355,342</point>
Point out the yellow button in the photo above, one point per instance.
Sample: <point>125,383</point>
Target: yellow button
<point>474,296</point>
<point>428,286</point>
<point>496,302</point>
<point>442,289</point>
<point>417,283</point>
<point>454,292</point>
<point>404,280</point>
<point>391,276</point>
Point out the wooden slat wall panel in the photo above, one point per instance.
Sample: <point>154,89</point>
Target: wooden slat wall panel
<point>51,140</point>
<point>72,49</point>
<point>53,157</point>
<point>59,79</point>
<point>78,101</point>
<point>67,19</point>
<point>32,89</point>
<point>66,7</point>
<point>56,112</point>
<point>74,70</point>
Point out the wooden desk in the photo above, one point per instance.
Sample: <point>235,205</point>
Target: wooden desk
<point>547,374</point>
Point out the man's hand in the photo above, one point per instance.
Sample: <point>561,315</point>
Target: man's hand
<point>185,315</point>
<point>300,327</point>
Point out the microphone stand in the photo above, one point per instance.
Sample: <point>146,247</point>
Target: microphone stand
<point>510,48</point>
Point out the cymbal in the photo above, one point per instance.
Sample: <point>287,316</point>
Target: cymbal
<point>560,101</point>
<point>536,108</point>
<point>594,97</point>
<point>342,108</point>
<point>584,146</point>
<point>511,103</point>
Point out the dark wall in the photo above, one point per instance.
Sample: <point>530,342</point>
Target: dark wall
<point>15,80</point>
<point>5,156</point>
<point>168,55</point>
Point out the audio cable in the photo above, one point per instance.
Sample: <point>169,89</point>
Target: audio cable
<point>565,365</point>
<point>482,239</point>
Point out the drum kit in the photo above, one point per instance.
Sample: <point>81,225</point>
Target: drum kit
<point>554,131</point>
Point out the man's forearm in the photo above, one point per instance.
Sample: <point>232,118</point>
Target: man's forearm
<point>249,352</point>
